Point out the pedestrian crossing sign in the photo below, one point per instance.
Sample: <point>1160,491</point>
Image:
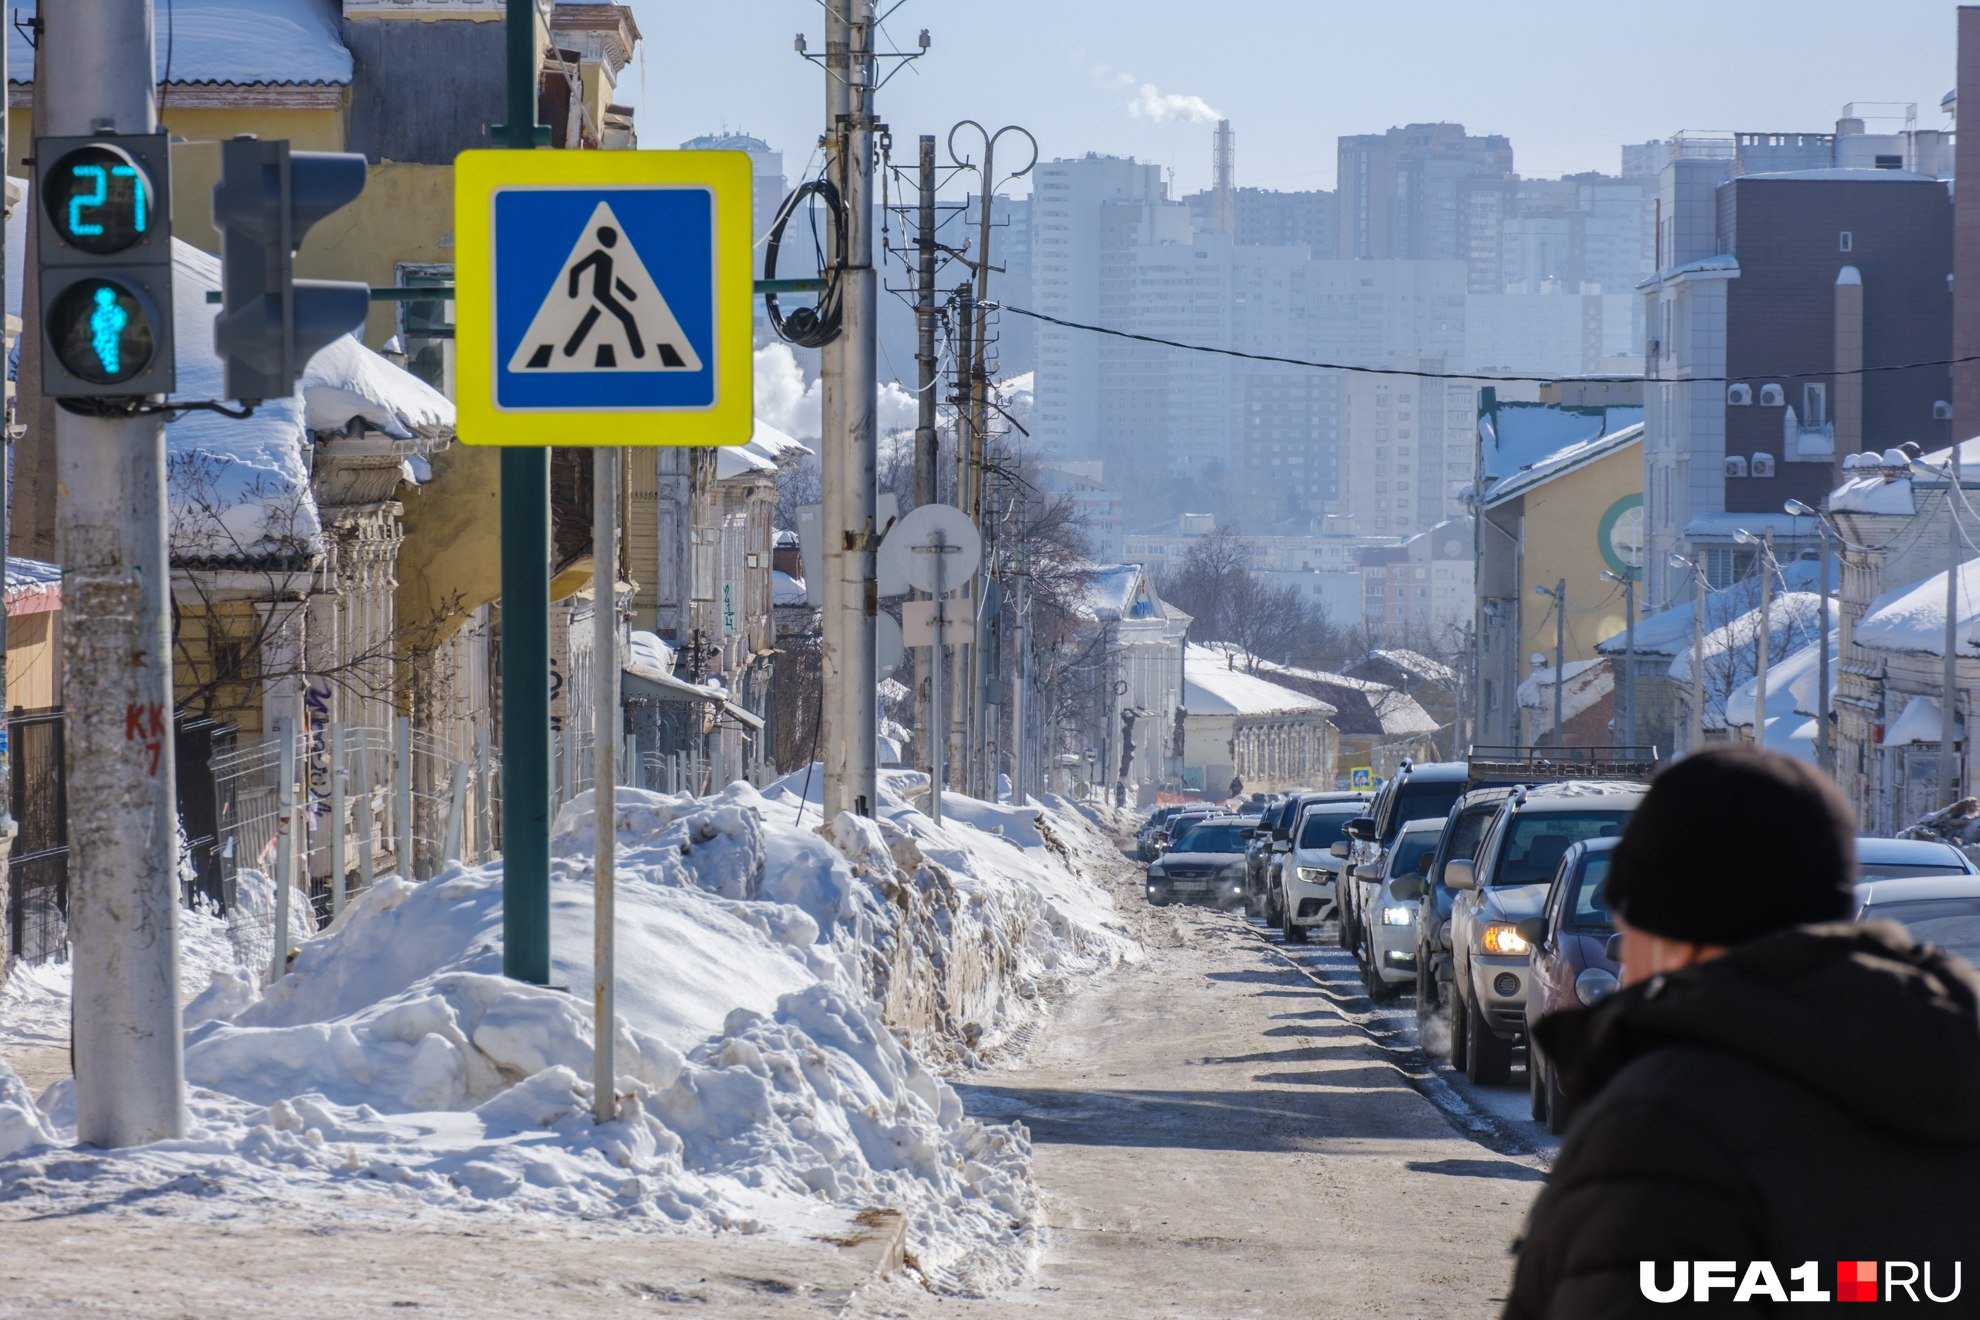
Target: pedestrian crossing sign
<point>603,297</point>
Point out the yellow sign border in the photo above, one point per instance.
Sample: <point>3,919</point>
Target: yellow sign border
<point>478,175</point>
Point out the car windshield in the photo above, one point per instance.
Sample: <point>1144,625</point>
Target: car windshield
<point>1539,840</point>
<point>1950,923</point>
<point>1868,871</point>
<point>1217,838</point>
<point>1413,853</point>
<point>1591,900</point>
<point>1321,829</point>
<point>1428,802</point>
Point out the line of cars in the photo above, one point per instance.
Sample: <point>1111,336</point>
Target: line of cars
<point>1480,886</point>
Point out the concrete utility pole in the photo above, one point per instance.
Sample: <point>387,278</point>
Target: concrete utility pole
<point>1766,638</point>
<point>1698,586</point>
<point>1823,757</point>
<point>1560,661</point>
<point>1628,580</point>
<point>7,826</point>
<point>1948,725</point>
<point>959,719</point>
<point>849,459</point>
<point>95,62</point>
<point>930,723</point>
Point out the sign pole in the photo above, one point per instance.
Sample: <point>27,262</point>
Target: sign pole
<point>605,767</point>
<point>935,684</point>
<point>95,61</point>
<point>525,623</point>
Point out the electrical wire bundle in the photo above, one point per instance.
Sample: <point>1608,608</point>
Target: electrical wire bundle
<point>817,326</point>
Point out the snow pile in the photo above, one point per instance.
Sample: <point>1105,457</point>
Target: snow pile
<point>1958,825</point>
<point>779,985</point>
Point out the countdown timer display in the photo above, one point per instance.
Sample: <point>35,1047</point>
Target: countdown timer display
<point>99,199</point>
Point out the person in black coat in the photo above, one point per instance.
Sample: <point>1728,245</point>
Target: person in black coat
<point>1773,1083</point>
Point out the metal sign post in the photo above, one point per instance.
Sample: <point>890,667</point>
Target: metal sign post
<point>929,548</point>
<point>604,774</point>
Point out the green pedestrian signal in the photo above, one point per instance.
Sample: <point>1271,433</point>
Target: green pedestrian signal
<point>104,218</point>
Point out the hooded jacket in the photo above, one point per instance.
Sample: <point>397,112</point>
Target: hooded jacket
<point>1813,1095</point>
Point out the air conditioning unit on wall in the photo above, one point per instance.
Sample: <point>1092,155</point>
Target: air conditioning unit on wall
<point>1735,465</point>
<point>1739,395</point>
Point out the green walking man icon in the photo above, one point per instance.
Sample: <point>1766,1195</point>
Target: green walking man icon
<point>106,330</point>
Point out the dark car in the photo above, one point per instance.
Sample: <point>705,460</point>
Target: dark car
<point>1415,792</point>
<point>1571,966</point>
<point>1144,838</point>
<point>1205,866</point>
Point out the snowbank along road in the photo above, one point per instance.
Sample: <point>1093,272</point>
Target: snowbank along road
<point>883,1068</point>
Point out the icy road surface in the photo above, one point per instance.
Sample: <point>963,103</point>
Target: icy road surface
<point>1228,1129</point>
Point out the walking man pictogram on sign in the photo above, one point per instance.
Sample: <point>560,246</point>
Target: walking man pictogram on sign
<point>602,286</point>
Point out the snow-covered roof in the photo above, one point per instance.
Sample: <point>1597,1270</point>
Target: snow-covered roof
<point>1793,686</point>
<point>1725,524</point>
<point>1118,591</point>
<point>1882,484</point>
<point>1214,686</point>
<point>1720,263</point>
<point>1922,721</point>
<point>1669,631</point>
<point>785,589</point>
<point>1732,655</point>
<point>1519,435</point>
<point>1584,683</point>
<point>1416,664</point>
<point>240,42</point>
<point>765,452</point>
<point>33,587</point>
<point>1912,618</point>
<point>241,487</point>
<point>1363,705</point>
<point>1562,461</point>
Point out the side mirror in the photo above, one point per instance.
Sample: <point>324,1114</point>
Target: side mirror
<point>1405,888</point>
<point>1340,849</point>
<point>1460,874</point>
<point>1533,930</point>
<point>1612,949</point>
<point>1361,827</point>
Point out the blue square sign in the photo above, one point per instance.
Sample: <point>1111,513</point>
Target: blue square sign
<point>603,298</point>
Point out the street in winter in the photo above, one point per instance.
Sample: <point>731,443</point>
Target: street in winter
<point>878,659</point>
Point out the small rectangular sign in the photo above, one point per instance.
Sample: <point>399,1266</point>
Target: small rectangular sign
<point>918,623</point>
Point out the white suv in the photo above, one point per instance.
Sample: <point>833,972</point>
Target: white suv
<point>1308,874</point>
<point>1521,851</point>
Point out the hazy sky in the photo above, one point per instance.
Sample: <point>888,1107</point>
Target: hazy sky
<point>1566,80</point>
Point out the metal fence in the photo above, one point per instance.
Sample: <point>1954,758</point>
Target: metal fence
<point>38,869</point>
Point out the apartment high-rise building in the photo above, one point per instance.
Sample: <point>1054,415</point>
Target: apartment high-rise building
<point>1084,216</point>
<point>1263,218</point>
<point>1425,192</point>
<point>1783,273</point>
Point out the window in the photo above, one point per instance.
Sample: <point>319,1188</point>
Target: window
<point>1847,241</point>
<point>1814,404</point>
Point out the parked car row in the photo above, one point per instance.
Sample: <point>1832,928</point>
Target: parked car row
<point>1486,898</point>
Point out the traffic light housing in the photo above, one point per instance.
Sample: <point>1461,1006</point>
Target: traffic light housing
<point>270,322</point>
<point>103,206</point>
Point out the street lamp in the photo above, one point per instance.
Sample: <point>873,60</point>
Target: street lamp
<point>1765,542</point>
<point>1628,581</point>
<point>1823,758</point>
<point>1558,594</point>
<point>1697,739</point>
<point>1948,764</point>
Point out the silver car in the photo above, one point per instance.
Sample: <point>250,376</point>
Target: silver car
<point>1388,919</point>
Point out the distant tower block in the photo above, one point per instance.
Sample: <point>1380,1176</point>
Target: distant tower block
<point>1223,165</point>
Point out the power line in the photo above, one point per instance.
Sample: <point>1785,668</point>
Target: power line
<point>1488,378</point>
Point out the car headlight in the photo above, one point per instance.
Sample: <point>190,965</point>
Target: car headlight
<point>1594,985</point>
<point>1398,916</point>
<point>1444,934</point>
<point>1314,875</point>
<point>1501,937</point>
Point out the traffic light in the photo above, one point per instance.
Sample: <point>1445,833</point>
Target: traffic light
<point>105,218</point>
<point>270,322</point>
